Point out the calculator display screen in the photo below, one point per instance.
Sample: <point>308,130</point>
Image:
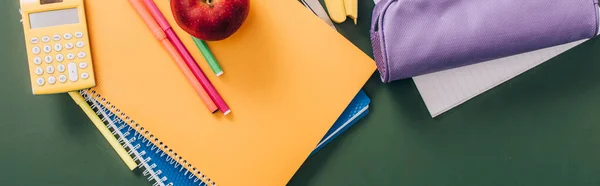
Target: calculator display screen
<point>53,18</point>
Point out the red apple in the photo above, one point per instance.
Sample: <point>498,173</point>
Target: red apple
<point>210,20</point>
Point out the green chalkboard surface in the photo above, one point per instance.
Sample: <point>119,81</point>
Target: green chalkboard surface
<point>541,128</point>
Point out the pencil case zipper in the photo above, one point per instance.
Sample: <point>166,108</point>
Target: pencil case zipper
<point>377,38</point>
<point>597,9</point>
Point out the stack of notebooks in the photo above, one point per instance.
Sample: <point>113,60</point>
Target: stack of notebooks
<point>292,82</point>
<point>164,170</point>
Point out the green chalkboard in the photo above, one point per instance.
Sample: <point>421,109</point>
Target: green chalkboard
<point>541,128</point>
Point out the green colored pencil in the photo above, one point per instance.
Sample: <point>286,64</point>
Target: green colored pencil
<point>212,62</point>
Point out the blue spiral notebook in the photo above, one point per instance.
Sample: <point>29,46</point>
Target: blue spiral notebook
<point>357,109</point>
<point>161,170</point>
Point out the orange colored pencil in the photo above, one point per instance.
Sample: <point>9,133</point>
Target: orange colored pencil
<point>160,35</point>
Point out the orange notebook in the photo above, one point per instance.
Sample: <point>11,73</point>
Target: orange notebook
<point>289,77</point>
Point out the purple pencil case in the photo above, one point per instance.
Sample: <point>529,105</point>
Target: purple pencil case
<point>416,37</point>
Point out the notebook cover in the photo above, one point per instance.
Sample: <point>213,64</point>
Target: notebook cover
<point>289,76</point>
<point>358,108</point>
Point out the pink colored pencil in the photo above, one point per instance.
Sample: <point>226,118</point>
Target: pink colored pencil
<point>190,61</point>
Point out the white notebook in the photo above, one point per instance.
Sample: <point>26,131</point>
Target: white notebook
<point>444,90</point>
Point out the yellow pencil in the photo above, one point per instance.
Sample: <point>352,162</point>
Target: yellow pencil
<point>104,130</point>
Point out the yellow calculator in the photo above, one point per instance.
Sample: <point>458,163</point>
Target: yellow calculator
<point>58,46</point>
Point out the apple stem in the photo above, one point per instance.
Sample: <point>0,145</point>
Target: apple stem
<point>209,2</point>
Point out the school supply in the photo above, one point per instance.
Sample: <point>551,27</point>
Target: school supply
<point>412,38</point>
<point>161,36</point>
<point>340,9</point>
<point>135,142</point>
<point>317,9</point>
<point>187,57</point>
<point>358,108</point>
<point>351,8</point>
<point>57,43</point>
<point>444,90</point>
<point>208,56</point>
<point>162,169</point>
<point>287,90</point>
<point>81,101</point>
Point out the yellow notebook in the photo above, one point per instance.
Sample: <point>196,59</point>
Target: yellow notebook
<point>289,77</point>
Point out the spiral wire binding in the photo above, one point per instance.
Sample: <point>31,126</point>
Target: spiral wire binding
<point>132,150</point>
<point>115,123</point>
<point>105,109</point>
<point>163,167</point>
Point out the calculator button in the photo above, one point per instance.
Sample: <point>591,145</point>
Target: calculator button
<point>60,57</point>
<point>70,56</point>
<point>69,46</point>
<point>34,40</point>
<point>85,75</point>
<point>37,60</point>
<point>45,39</point>
<point>81,55</point>
<point>58,47</point>
<point>36,50</point>
<point>78,34</point>
<point>40,81</point>
<point>39,71</point>
<point>68,36</point>
<point>79,44</point>
<point>60,68</point>
<point>51,80</point>
<point>47,48</point>
<point>73,75</point>
<point>48,59</point>
<point>83,65</point>
<point>50,69</point>
<point>62,78</point>
<point>56,37</point>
